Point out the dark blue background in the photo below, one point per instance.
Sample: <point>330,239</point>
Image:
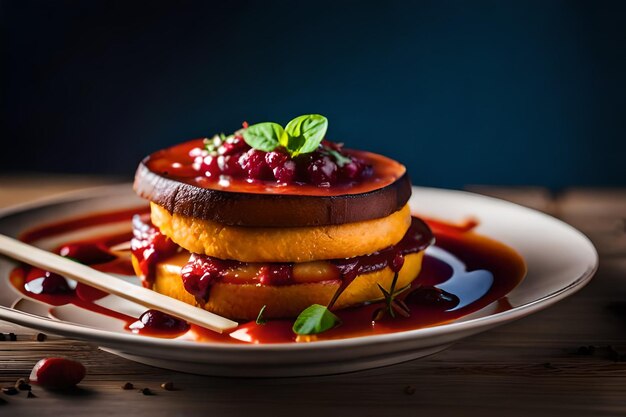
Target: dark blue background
<point>462,92</point>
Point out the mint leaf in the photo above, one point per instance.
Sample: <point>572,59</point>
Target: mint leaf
<point>263,136</point>
<point>259,318</point>
<point>292,144</point>
<point>304,133</point>
<point>315,319</point>
<point>301,135</point>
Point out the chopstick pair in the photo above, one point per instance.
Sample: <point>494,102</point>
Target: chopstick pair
<point>40,258</point>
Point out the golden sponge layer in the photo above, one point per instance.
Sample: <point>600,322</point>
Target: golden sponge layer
<point>243,301</point>
<point>294,244</point>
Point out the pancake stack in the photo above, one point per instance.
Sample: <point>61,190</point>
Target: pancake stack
<point>233,241</point>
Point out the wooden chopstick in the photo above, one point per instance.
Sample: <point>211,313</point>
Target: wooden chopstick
<point>82,273</point>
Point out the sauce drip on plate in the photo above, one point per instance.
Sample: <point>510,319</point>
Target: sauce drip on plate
<point>150,246</point>
<point>463,273</point>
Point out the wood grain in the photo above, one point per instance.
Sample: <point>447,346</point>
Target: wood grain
<point>530,367</point>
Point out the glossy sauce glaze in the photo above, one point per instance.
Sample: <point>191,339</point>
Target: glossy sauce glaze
<point>463,273</point>
<point>179,163</point>
<point>150,246</point>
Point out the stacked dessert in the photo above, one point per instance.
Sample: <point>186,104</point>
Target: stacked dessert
<point>275,218</point>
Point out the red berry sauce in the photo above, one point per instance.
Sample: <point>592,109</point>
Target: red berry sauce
<point>229,163</point>
<point>326,166</point>
<point>202,271</point>
<point>157,323</point>
<point>232,156</point>
<point>39,281</point>
<point>432,297</point>
<point>439,295</point>
<point>149,246</point>
<point>88,253</point>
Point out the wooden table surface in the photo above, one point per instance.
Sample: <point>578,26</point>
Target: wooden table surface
<point>528,368</point>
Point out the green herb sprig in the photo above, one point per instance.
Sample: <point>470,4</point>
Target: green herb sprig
<point>315,319</point>
<point>301,135</point>
<point>260,320</point>
<point>393,306</point>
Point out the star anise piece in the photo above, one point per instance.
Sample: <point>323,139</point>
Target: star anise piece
<point>393,306</point>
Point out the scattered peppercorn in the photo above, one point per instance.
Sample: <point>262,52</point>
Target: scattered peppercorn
<point>12,337</point>
<point>128,386</point>
<point>30,395</point>
<point>409,390</point>
<point>168,386</point>
<point>22,385</point>
<point>41,337</point>
<point>146,391</point>
<point>9,390</point>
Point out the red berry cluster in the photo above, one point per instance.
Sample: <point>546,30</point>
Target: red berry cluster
<point>149,246</point>
<point>202,271</point>
<point>199,274</point>
<point>234,157</point>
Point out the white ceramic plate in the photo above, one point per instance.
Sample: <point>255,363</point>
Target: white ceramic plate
<point>560,261</point>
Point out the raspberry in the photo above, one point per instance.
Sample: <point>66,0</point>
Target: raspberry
<point>275,159</point>
<point>350,171</point>
<point>322,172</point>
<point>57,373</point>
<point>229,165</point>
<point>253,162</point>
<point>198,275</point>
<point>367,171</point>
<point>286,172</point>
<point>209,166</point>
<point>233,146</point>
<point>159,321</point>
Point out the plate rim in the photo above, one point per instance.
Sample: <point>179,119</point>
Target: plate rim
<point>105,337</point>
